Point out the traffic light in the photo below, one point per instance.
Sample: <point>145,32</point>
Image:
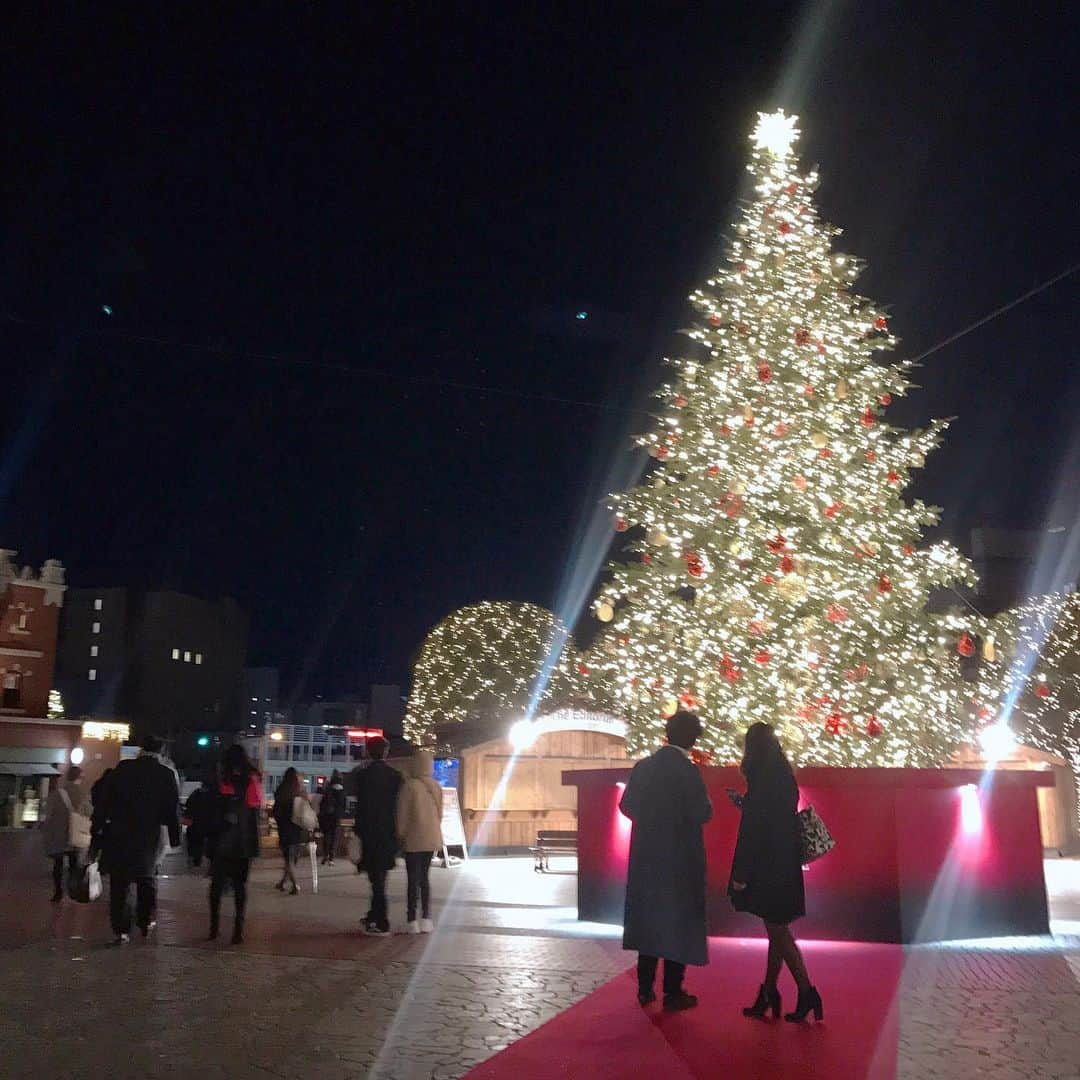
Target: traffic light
<point>203,740</point>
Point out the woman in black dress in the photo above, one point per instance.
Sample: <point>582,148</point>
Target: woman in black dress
<point>766,874</point>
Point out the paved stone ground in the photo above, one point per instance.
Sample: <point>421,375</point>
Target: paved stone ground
<point>309,996</point>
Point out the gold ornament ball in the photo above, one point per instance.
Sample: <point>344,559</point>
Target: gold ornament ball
<point>918,460</point>
<point>605,612</point>
<point>841,390</point>
<point>657,537</point>
<point>819,440</point>
<point>792,588</point>
<point>669,708</point>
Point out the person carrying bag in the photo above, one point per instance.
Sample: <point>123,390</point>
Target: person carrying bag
<point>66,832</point>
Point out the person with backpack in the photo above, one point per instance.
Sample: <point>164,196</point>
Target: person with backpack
<point>419,829</point>
<point>331,811</point>
<point>66,831</point>
<point>235,830</point>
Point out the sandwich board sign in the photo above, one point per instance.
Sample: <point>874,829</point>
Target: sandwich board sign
<point>453,831</point>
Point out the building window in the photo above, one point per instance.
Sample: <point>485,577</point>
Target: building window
<point>176,654</point>
<point>92,674</point>
<point>97,604</point>
<point>22,621</point>
<point>187,656</point>
<point>12,694</point>
<point>198,658</point>
<point>96,628</point>
<point>93,650</point>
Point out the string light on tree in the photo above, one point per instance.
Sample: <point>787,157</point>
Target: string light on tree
<point>770,526</point>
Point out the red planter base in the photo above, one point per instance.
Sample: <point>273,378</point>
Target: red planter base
<point>921,854</point>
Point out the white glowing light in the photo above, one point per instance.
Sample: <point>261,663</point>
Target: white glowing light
<point>971,816</point>
<point>522,735</point>
<point>276,736</point>
<point>997,740</point>
<point>77,756</point>
<point>775,133</point>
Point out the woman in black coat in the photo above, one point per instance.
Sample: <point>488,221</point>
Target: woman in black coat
<point>766,874</point>
<point>290,835</point>
<point>234,825</point>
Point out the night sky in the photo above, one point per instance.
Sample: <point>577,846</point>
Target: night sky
<point>343,380</point>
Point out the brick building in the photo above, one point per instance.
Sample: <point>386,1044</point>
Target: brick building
<point>33,745</point>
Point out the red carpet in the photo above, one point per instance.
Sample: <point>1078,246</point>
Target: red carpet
<point>608,1035</point>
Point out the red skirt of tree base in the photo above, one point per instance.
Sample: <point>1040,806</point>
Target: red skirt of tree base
<point>921,854</point>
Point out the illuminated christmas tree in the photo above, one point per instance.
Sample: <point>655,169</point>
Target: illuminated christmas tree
<point>1040,675</point>
<point>770,569</point>
<point>489,664</point>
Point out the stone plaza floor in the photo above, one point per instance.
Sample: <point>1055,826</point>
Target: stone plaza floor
<point>309,996</point>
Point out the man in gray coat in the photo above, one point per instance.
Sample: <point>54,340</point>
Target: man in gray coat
<point>666,800</point>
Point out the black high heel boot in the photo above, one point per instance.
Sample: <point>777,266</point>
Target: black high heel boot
<point>768,998</point>
<point>808,1002</point>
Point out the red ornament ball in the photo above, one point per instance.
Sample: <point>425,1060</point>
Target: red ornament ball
<point>787,564</point>
<point>764,372</point>
<point>762,656</point>
<point>776,544</point>
<point>662,453</point>
<point>725,430</point>
<point>802,336</point>
<point>780,430</point>
<point>836,724</point>
<point>681,401</point>
<point>714,320</point>
<point>713,470</point>
<point>784,228</point>
<point>885,399</point>
<point>583,669</point>
<point>873,727</point>
<point>965,645</point>
<point>884,585</point>
<point>808,390</point>
<point>621,525</point>
<point>893,477</point>
<point>743,328</point>
<point>880,323</point>
<point>695,569</point>
<point>907,549</point>
<point>768,579</point>
<point>871,457</point>
<point>791,188</point>
<point>868,417</point>
<point>825,453</point>
<point>835,613</point>
<point>1042,690</point>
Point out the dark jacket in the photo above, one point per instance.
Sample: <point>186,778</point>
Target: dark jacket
<point>139,797</point>
<point>768,853</point>
<point>199,810</point>
<point>376,815</point>
<point>332,805</point>
<point>289,833</point>
<point>236,819</point>
<point>666,800</point>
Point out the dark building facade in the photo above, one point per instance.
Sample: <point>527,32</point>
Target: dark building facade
<point>1014,564</point>
<point>260,696</point>
<point>159,660</point>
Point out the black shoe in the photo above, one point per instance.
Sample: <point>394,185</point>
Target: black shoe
<point>238,934</point>
<point>646,995</point>
<point>809,1002</point>
<point>768,999</point>
<point>678,1002</point>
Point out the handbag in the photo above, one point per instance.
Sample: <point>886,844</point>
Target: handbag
<point>78,825</point>
<point>84,883</point>
<point>303,816</point>
<point>355,854</point>
<point>815,839</point>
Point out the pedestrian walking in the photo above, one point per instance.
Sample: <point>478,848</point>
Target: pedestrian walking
<point>199,811</point>
<point>419,829</point>
<point>139,800</point>
<point>235,829</point>
<point>376,812</point>
<point>290,833</point>
<point>665,798</point>
<point>766,873</point>
<point>331,811</point>
<point>66,832</point>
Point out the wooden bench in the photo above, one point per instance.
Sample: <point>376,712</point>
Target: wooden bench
<point>553,842</point>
